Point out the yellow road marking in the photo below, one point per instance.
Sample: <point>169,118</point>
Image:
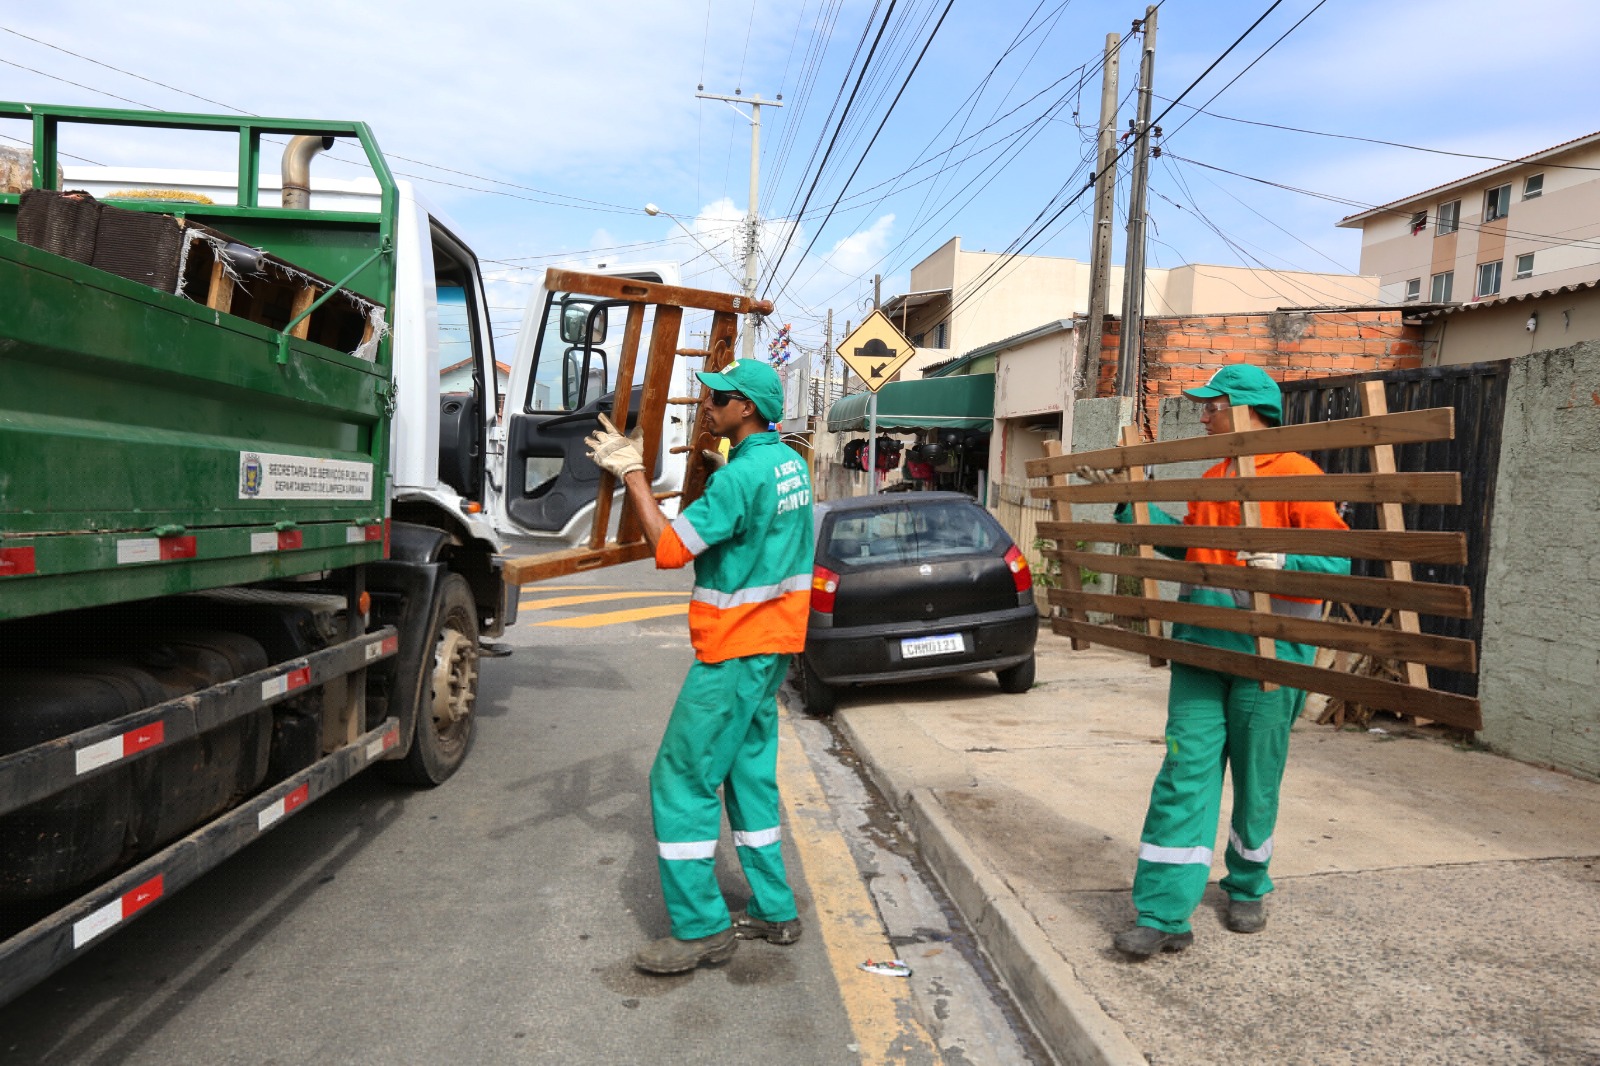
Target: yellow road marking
<point>541,587</point>
<point>882,1015</point>
<point>567,601</point>
<point>606,618</point>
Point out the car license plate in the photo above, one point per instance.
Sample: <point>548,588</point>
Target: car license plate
<point>917,647</point>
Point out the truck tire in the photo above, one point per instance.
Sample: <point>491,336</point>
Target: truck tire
<point>445,698</point>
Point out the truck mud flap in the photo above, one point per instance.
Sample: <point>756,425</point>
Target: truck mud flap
<point>53,942</point>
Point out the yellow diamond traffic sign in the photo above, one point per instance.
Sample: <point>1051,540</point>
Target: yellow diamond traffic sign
<point>875,350</point>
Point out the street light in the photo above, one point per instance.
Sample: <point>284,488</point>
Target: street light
<point>652,210</point>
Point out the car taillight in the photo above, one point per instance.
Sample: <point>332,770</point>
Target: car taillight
<point>1020,574</point>
<point>824,586</point>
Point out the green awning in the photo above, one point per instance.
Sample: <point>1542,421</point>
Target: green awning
<point>965,401</point>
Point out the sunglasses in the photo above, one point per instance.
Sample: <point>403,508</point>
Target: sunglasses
<point>720,398</point>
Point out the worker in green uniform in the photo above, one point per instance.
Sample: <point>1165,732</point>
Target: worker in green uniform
<point>751,542</point>
<point>1216,720</point>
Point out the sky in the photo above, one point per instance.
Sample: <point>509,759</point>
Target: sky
<point>542,128</point>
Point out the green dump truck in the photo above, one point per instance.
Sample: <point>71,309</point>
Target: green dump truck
<point>258,506</point>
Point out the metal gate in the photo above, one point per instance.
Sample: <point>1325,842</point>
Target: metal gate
<point>1477,391</point>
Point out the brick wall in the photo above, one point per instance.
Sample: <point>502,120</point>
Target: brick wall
<point>1183,351</point>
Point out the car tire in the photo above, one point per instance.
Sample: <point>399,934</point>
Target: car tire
<point>818,696</point>
<point>1018,678</point>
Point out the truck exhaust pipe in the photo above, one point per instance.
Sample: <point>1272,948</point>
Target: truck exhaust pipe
<point>297,169</point>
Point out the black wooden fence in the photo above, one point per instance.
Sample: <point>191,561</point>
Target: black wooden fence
<point>1477,391</point>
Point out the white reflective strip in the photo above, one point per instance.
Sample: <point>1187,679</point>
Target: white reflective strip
<point>270,813</point>
<point>355,534</point>
<point>758,838</point>
<point>1261,854</point>
<point>274,686</point>
<point>93,756</point>
<point>140,550</point>
<point>263,542</point>
<point>691,539</point>
<point>1175,856</point>
<point>758,594</point>
<point>690,849</point>
<point>88,928</point>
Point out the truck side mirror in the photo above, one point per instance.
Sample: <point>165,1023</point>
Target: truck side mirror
<point>579,323</point>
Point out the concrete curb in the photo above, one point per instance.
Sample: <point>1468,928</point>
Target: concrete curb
<point>1067,1018</point>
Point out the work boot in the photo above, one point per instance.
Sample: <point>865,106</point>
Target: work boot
<point>671,955</point>
<point>1247,915</point>
<point>1143,941</point>
<point>750,928</point>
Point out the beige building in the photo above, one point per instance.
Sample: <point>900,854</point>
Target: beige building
<point>1528,226</point>
<point>962,300</point>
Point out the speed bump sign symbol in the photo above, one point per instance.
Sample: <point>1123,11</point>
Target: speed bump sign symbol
<point>875,350</point>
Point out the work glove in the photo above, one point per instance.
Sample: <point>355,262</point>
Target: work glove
<point>613,452</point>
<point>1263,560</point>
<point>714,458</point>
<point>1096,476</point>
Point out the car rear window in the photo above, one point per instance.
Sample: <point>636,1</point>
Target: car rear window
<point>908,534</point>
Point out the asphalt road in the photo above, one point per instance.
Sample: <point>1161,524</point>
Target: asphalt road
<point>492,920</point>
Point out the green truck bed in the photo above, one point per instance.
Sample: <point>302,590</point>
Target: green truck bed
<point>151,445</point>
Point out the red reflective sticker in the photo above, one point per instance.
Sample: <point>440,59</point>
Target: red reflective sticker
<point>297,679</point>
<point>142,896</point>
<point>146,737</point>
<point>390,739</point>
<point>375,532</point>
<point>14,562</point>
<point>289,539</point>
<point>297,797</point>
<point>390,645</point>
<point>177,547</point>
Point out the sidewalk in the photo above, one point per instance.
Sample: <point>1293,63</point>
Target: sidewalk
<point>1434,904</point>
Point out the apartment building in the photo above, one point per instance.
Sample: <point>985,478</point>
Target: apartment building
<point>1519,228</point>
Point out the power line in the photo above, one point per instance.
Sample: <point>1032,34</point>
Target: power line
<point>598,204</point>
<point>865,66</point>
<point>1377,140</point>
<point>1528,234</point>
<point>903,85</point>
<point>1251,64</point>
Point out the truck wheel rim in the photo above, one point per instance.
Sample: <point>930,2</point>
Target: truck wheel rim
<point>455,670</point>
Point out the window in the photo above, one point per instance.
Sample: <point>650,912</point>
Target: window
<point>1413,289</point>
<point>1525,266</point>
<point>1419,222</point>
<point>1497,203</point>
<point>1532,185</point>
<point>1488,279</point>
<point>1442,284</point>
<point>1449,218</point>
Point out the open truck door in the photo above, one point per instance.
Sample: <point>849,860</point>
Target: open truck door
<point>593,354</point>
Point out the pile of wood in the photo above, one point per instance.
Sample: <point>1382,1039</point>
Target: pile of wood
<point>183,257</point>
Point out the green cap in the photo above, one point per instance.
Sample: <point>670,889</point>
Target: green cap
<point>752,379</point>
<point>1245,386</point>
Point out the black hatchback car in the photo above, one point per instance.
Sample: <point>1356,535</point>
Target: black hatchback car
<point>914,585</point>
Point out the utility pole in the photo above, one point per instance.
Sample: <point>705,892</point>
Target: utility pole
<point>1131,349</point>
<point>827,367</point>
<point>752,220</point>
<point>872,403</point>
<point>1105,207</point>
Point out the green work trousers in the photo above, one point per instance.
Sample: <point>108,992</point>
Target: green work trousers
<point>723,733</point>
<point>1214,721</point>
